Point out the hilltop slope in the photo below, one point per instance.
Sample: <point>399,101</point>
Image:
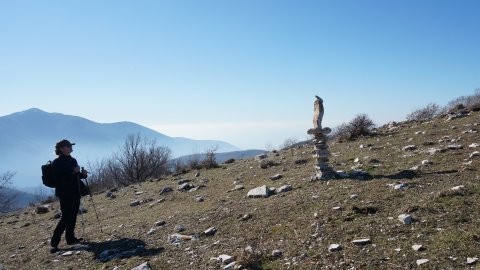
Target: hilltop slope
<point>301,223</point>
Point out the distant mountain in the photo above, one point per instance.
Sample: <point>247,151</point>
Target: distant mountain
<point>27,141</point>
<point>221,157</point>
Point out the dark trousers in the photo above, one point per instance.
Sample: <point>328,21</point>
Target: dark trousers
<point>69,207</point>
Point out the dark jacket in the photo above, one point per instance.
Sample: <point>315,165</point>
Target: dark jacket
<point>66,181</point>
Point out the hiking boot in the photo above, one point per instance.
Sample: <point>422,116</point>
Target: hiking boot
<point>75,241</point>
<point>54,249</point>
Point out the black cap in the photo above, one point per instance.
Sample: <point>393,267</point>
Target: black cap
<point>63,143</point>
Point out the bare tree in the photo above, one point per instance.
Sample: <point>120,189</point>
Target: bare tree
<point>288,143</point>
<point>361,125</point>
<point>8,195</point>
<point>138,160</point>
<point>210,160</point>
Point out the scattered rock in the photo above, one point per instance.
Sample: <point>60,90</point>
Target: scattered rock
<point>246,217</point>
<point>199,198</point>
<point>135,203</point>
<point>426,162</point>
<point>259,192</point>
<point>68,253</point>
<point>472,261</point>
<point>179,228</point>
<point>410,148</point>
<point>334,248</point>
<point>433,151</point>
<point>185,186</point>
<point>285,188</point>
<point>454,146</point>
<point>197,174</point>
<point>260,157</point>
<point>475,154</point>
<point>457,188</point>
<point>353,196</point>
<point>226,259</point>
<point>151,231</point>
<point>139,193</point>
<point>166,190</point>
<point>474,145</point>
<point>183,181</point>
<point>143,266</point>
<point>276,177</point>
<point>422,261</point>
<point>418,247</point>
<point>180,238</point>
<point>400,186</point>
<point>210,231</point>
<point>41,209</point>
<point>160,223</point>
<point>342,174</point>
<point>230,266</point>
<point>276,253</point>
<point>405,219</point>
<point>300,161</point>
<point>110,195</point>
<point>362,242</point>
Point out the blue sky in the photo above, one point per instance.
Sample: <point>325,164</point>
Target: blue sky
<point>241,71</point>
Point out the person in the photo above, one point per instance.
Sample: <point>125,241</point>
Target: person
<point>67,176</point>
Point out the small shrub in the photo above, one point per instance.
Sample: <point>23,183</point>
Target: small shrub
<point>288,143</point>
<point>229,161</point>
<point>425,113</point>
<point>361,125</point>
<point>210,160</point>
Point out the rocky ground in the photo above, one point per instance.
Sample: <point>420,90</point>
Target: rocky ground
<point>419,209</point>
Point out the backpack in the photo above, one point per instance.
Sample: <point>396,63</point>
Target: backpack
<point>47,175</point>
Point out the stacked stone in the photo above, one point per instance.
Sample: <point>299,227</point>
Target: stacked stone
<point>321,153</point>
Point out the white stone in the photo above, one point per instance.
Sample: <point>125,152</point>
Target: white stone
<point>454,146</point>
<point>285,188</point>
<point>143,266</point>
<point>151,231</point>
<point>356,160</point>
<point>226,259</point>
<point>409,148</point>
<point>426,162</point>
<point>475,154</point>
<point>276,253</point>
<point>474,145</point>
<point>417,247</point>
<point>422,261</point>
<point>457,188</point>
<point>230,266</point>
<point>353,196</point>
<point>259,192</point>
<point>361,242</point>
<point>405,219</point>
<point>210,231</point>
<point>276,177</point>
<point>334,247</point>
<point>471,261</point>
<point>68,253</point>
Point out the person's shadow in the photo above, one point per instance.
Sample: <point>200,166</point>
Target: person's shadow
<point>117,249</point>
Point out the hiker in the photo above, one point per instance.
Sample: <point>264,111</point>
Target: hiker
<point>67,177</point>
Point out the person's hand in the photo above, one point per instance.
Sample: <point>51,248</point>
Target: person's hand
<point>76,169</point>
<point>84,172</point>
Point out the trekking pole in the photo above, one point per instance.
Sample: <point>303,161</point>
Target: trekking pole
<point>93,203</point>
<point>81,208</point>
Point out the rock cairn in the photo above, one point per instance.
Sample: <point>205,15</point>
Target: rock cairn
<point>321,153</point>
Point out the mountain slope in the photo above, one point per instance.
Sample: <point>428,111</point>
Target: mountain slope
<point>301,223</point>
<point>27,140</point>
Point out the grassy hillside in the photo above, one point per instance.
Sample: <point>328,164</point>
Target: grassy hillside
<point>301,223</point>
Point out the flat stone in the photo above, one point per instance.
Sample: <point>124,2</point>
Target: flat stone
<point>472,261</point>
<point>334,247</point>
<point>180,238</point>
<point>199,199</point>
<point>68,253</point>
<point>475,154</point>
<point>276,177</point>
<point>239,187</point>
<point>160,223</point>
<point>474,145</point>
<point>210,231</point>
<point>409,148</point>
<point>405,219</point>
<point>226,259</point>
<point>135,203</point>
<point>143,266</point>
<point>276,253</point>
<point>422,261</point>
<point>230,266</point>
<point>166,190</point>
<point>151,231</point>
<point>457,188</point>
<point>185,186</point>
<point>418,247</point>
<point>285,188</point>
<point>41,209</point>
<point>400,186</point>
<point>259,192</point>
<point>454,146</point>
<point>353,196</point>
<point>426,162</point>
<point>179,228</point>
<point>361,242</point>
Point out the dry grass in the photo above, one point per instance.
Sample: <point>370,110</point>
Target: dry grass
<point>447,225</point>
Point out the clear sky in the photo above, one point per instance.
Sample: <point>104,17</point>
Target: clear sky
<point>241,71</point>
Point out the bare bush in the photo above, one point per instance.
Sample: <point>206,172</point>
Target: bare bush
<point>361,125</point>
<point>210,160</point>
<point>288,143</point>
<point>8,195</point>
<point>471,101</point>
<point>425,113</point>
